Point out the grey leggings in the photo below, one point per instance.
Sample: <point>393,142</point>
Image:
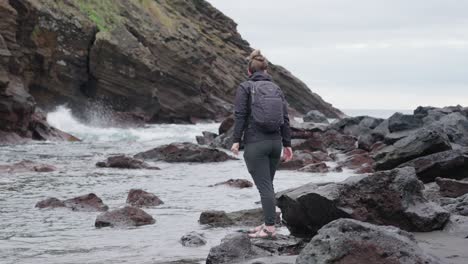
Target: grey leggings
<point>262,159</point>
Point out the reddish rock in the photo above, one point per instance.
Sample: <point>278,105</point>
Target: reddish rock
<point>316,168</point>
<point>358,160</point>
<point>27,166</point>
<point>86,203</point>
<point>125,162</point>
<point>335,140</point>
<point>50,203</point>
<point>140,198</point>
<point>303,158</point>
<point>236,183</point>
<point>452,188</point>
<point>124,217</point>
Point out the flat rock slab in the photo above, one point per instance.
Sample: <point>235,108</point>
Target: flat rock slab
<point>124,217</point>
<point>185,152</point>
<point>452,188</point>
<point>252,217</point>
<point>85,203</point>
<point>235,183</point>
<point>388,198</point>
<point>140,198</point>
<point>347,241</point>
<point>124,162</point>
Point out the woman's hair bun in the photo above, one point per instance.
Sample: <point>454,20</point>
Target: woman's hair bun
<point>256,55</point>
<point>257,62</point>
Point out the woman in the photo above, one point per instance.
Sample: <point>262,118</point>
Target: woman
<point>261,118</point>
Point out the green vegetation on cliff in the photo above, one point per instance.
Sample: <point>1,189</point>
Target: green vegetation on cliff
<point>104,13</point>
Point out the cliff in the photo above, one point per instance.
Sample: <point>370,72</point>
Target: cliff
<point>157,60</point>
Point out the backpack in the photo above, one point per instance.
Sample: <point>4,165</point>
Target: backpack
<point>266,107</point>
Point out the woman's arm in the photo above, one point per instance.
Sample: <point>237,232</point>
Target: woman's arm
<point>241,112</point>
<point>285,129</point>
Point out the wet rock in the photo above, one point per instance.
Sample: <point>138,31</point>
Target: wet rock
<point>335,140</point>
<point>303,158</point>
<point>124,217</point>
<point>140,198</point>
<point>236,183</point>
<point>457,226</point>
<point>367,140</point>
<point>388,198</point>
<point>361,162</point>
<point>305,130</point>
<point>86,203</point>
<point>391,138</point>
<point>315,117</point>
<point>399,122</point>
<point>184,152</point>
<point>27,166</point>
<point>193,239</point>
<point>420,143</point>
<point>316,168</point>
<point>354,242</point>
<point>457,205</point>
<point>124,162</point>
<point>50,203</point>
<point>226,125</point>
<point>41,130</point>
<point>207,138</point>
<point>225,140</point>
<point>251,217</point>
<point>452,188</point>
<point>451,164</point>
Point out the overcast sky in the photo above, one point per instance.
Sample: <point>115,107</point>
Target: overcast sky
<point>364,54</point>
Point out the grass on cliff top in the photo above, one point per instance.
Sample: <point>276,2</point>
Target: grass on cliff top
<point>104,13</point>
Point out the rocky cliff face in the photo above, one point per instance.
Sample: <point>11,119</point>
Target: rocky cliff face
<point>165,60</point>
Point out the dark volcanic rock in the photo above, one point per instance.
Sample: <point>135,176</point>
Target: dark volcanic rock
<point>399,122</point>
<point>316,168</point>
<point>140,198</point>
<point>27,166</point>
<point>303,158</point>
<point>347,241</point>
<point>207,138</point>
<point>361,162</point>
<point>184,152</point>
<point>455,125</point>
<point>236,183</point>
<point>238,248</point>
<point>389,197</point>
<point>452,188</point>
<point>87,203</point>
<point>50,203</point>
<point>420,143</point>
<point>126,216</point>
<point>226,125</point>
<point>124,162</point>
<point>252,217</point>
<point>305,130</point>
<point>451,164</point>
<point>315,117</point>
<point>457,205</point>
<point>193,239</point>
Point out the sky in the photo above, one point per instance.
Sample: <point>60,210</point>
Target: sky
<point>364,54</point>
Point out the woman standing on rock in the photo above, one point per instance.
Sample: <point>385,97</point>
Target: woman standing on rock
<point>261,118</point>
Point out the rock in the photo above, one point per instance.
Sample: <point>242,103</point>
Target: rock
<point>455,125</point>
<point>124,162</point>
<point>184,152</point>
<point>420,143</point>
<point>361,162</point>
<point>315,117</point>
<point>140,198</point>
<point>457,226</point>
<point>238,248</point>
<point>356,126</point>
<point>399,122</point>
<point>387,198</point>
<point>252,217</point>
<point>193,239</point>
<point>391,138</point>
<point>457,205</point>
<point>316,168</point>
<point>452,188</point>
<point>367,140</point>
<point>225,140</point>
<point>313,143</point>
<point>236,183</point>
<point>354,242</point>
<point>41,130</point>
<point>123,217</point>
<point>335,140</point>
<point>86,203</point>
<point>207,138</point>
<point>27,166</point>
<point>305,130</point>
<point>50,203</point>
<point>302,158</point>
<point>451,164</point>
<point>226,125</point>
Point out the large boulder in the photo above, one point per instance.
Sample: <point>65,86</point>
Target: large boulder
<point>389,198</point>
<point>347,241</point>
<point>420,143</point>
<point>251,217</point>
<point>451,164</point>
<point>399,122</point>
<point>124,217</point>
<point>193,239</point>
<point>315,117</point>
<point>455,125</point>
<point>458,205</point>
<point>124,162</point>
<point>184,152</point>
<point>85,203</point>
<point>452,188</point>
<point>140,198</point>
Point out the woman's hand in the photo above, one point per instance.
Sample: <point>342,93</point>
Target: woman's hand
<point>287,154</point>
<point>235,148</point>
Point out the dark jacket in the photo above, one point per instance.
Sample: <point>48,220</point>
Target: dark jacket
<point>243,126</point>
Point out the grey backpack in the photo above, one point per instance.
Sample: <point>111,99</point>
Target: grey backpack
<point>266,106</point>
